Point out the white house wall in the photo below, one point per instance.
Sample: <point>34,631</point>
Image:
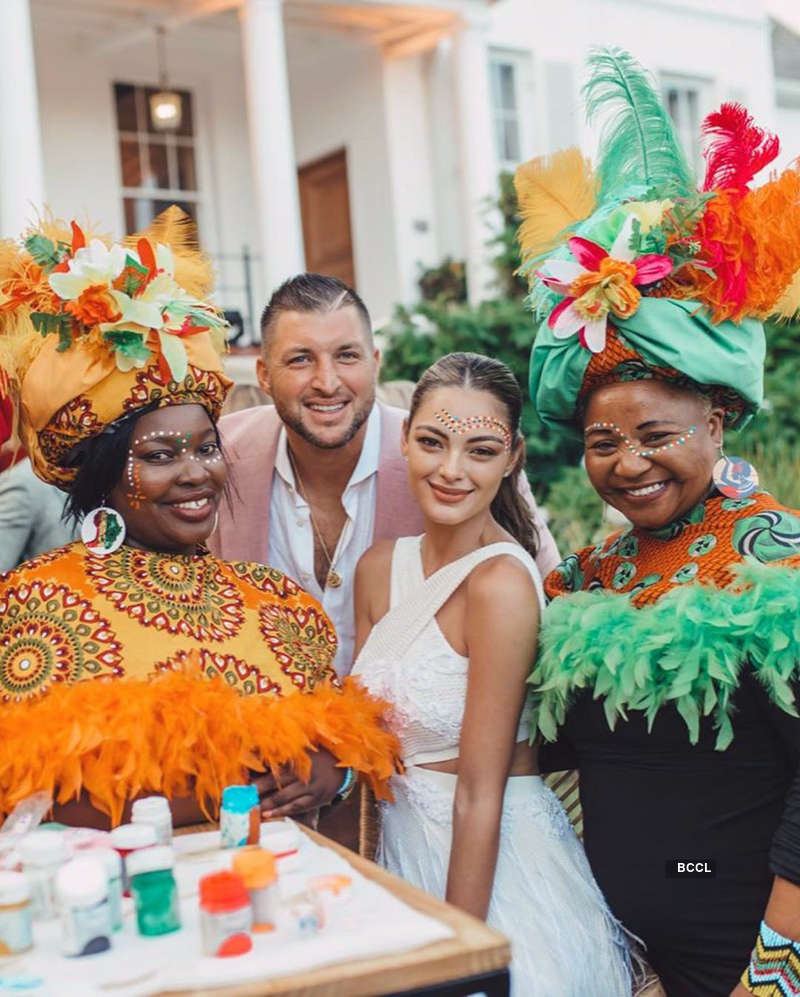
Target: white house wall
<point>411,169</point>
<point>788,128</point>
<point>337,95</point>
<point>79,134</point>
<point>725,42</point>
<point>396,120</point>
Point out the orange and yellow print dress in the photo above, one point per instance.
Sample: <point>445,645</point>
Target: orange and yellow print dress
<point>142,671</point>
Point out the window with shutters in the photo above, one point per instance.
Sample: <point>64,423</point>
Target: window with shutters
<point>511,90</point>
<point>157,168</point>
<point>688,102</point>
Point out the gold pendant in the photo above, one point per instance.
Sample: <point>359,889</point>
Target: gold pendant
<point>334,579</point>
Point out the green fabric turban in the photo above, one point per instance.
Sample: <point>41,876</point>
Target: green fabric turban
<point>665,333</point>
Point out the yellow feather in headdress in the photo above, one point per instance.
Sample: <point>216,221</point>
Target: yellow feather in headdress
<point>176,229</point>
<point>553,192</point>
<point>788,306</point>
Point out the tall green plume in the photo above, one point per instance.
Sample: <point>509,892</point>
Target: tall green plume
<point>638,147</point>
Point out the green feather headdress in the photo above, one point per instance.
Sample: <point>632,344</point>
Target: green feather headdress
<point>598,243</point>
<point>639,153</point>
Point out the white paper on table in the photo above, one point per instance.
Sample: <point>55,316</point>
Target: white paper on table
<point>372,922</point>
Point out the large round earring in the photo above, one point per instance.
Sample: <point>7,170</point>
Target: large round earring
<point>734,477</point>
<point>103,531</point>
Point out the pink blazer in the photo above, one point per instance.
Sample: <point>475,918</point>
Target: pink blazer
<point>250,441</point>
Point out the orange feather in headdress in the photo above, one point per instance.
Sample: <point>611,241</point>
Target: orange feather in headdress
<point>752,243</point>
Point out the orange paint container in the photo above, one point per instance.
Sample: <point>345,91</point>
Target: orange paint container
<point>256,866</point>
<point>226,917</point>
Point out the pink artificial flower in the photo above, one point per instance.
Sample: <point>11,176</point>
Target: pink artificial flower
<point>597,282</point>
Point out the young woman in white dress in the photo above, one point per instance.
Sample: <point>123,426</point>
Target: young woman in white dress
<point>447,626</point>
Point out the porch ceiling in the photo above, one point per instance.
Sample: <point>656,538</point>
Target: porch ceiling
<point>397,28</point>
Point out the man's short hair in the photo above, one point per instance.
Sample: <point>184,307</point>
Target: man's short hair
<point>311,292</point>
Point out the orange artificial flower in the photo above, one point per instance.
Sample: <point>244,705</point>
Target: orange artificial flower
<point>94,306</point>
<point>609,288</point>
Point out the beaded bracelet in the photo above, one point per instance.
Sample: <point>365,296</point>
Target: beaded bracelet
<point>774,969</point>
<point>347,786</point>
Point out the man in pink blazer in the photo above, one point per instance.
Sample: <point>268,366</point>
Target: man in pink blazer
<point>318,476</point>
<point>250,440</point>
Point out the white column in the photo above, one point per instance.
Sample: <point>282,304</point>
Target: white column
<point>21,166</point>
<point>410,172</point>
<point>277,204</point>
<point>476,150</point>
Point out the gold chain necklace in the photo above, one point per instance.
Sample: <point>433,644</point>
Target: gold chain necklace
<point>333,578</point>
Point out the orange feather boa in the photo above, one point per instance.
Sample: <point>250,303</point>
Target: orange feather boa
<point>179,735</point>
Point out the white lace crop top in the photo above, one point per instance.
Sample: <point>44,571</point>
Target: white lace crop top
<point>407,660</point>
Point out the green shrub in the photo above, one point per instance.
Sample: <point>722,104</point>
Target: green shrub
<point>507,259</point>
<point>575,511</point>
<point>445,283</point>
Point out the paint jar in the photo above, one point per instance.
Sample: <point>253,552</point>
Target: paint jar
<point>82,891</point>
<point>129,838</point>
<point>113,866</point>
<point>16,915</point>
<point>305,913</point>
<point>240,816</point>
<point>154,810</point>
<point>42,854</point>
<point>154,891</point>
<point>256,866</point>
<point>225,915</point>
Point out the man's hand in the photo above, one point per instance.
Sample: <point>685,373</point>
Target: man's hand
<point>739,991</point>
<point>293,796</point>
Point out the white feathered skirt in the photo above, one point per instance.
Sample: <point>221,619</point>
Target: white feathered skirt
<point>564,940</point>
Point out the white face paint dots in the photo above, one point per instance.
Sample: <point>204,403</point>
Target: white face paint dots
<point>184,442</point>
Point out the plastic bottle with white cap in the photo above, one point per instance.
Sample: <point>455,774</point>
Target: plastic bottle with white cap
<point>154,810</point>
<point>128,838</point>
<point>113,866</point>
<point>16,928</point>
<point>42,854</point>
<point>82,890</point>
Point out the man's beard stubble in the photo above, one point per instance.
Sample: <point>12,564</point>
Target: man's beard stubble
<point>360,416</point>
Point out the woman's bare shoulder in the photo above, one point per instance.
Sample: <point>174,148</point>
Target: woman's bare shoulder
<point>503,582</point>
<point>376,561</point>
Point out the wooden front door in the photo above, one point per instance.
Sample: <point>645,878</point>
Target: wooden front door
<point>325,210</point>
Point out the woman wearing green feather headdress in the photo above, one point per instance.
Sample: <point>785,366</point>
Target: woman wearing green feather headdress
<point>669,661</point>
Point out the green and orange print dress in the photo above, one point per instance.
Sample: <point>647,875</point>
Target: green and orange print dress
<point>667,676</point>
<point>217,667</point>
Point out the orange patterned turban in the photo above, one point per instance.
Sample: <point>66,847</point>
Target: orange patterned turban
<point>93,331</point>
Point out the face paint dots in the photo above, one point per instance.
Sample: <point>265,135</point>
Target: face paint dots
<point>460,427</point>
<point>635,448</point>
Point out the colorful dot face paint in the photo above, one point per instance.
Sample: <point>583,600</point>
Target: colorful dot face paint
<point>635,448</point>
<point>460,427</point>
<point>135,494</point>
<point>183,441</point>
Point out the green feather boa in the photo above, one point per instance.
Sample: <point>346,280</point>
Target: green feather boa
<point>688,649</point>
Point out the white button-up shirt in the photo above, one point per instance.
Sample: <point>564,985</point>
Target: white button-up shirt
<point>291,535</point>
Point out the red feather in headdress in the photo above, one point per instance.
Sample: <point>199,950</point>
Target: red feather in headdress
<point>739,148</point>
